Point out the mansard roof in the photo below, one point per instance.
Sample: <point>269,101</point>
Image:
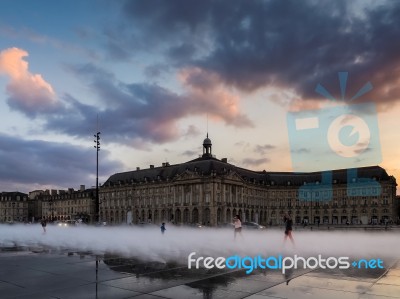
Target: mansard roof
<point>13,193</point>
<point>204,166</point>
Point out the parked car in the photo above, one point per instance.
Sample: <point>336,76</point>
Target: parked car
<point>101,223</point>
<point>252,225</point>
<point>197,225</point>
<point>67,223</point>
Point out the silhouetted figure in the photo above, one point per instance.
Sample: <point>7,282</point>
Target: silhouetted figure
<point>163,229</point>
<point>305,222</point>
<point>43,222</point>
<point>288,228</point>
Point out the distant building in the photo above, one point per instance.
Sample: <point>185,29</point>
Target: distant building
<point>211,191</point>
<point>64,205</point>
<point>14,206</point>
<point>397,208</point>
<point>35,193</point>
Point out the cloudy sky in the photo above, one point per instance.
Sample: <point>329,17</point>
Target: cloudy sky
<point>157,74</point>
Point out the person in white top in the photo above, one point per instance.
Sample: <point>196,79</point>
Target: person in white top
<point>238,225</point>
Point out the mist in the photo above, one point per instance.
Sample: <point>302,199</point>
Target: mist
<point>149,244</point>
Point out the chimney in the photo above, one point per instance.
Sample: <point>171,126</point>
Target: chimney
<point>137,168</point>
<point>225,160</point>
<point>82,188</point>
<point>151,166</point>
<point>163,165</point>
<point>166,163</point>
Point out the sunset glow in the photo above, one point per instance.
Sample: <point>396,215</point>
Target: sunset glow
<point>155,76</point>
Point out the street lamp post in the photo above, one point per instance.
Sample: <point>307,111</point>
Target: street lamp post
<point>97,204</point>
<point>311,214</point>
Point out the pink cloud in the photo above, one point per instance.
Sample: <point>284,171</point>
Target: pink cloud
<point>28,93</point>
<point>207,94</point>
<point>299,104</point>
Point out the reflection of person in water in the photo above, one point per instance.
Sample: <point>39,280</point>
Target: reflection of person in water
<point>288,228</point>
<point>288,275</point>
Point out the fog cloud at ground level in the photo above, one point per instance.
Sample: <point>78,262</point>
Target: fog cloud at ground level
<point>177,242</point>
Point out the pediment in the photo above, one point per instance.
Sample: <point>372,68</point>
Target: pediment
<point>233,175</point>
<point>186,175</point>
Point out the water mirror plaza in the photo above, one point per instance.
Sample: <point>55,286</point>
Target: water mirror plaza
<point>199,149</point>
<point>75,263</point>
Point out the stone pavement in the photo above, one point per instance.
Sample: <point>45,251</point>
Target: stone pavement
<point>38,273</point>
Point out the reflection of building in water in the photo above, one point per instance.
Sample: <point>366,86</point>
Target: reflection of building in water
<point>211,191</point>
<point>205,280</point>
<point>209,282</point>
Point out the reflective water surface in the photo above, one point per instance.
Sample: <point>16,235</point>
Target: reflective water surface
<point>125,262</point>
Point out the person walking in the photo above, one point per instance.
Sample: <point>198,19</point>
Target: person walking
<point>288,228</point>
<point>163,229</point>
<point>43,222</point>
<point>238,226</point>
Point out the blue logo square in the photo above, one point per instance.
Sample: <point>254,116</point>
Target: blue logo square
<point>334,138</point>
<point>343,137</point>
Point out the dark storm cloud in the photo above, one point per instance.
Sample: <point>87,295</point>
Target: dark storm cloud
<point>192,131</point>
<point>300,151</point>
<point>50,163</point>
<point>251,162</point>
<point>182,52</point>
<point>190,153</point>
<point>131,113</point>
<point>263,149</point>
<point>291,44</point>
<point>156,70</point>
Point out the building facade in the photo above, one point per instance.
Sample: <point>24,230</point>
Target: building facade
<point>62,205</point>
<point>14,207</point>
<point>211,192</point>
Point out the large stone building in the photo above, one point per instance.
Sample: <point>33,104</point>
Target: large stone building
<point>211,191</point>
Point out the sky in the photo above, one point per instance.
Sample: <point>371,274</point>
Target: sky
<point>278,86</point>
